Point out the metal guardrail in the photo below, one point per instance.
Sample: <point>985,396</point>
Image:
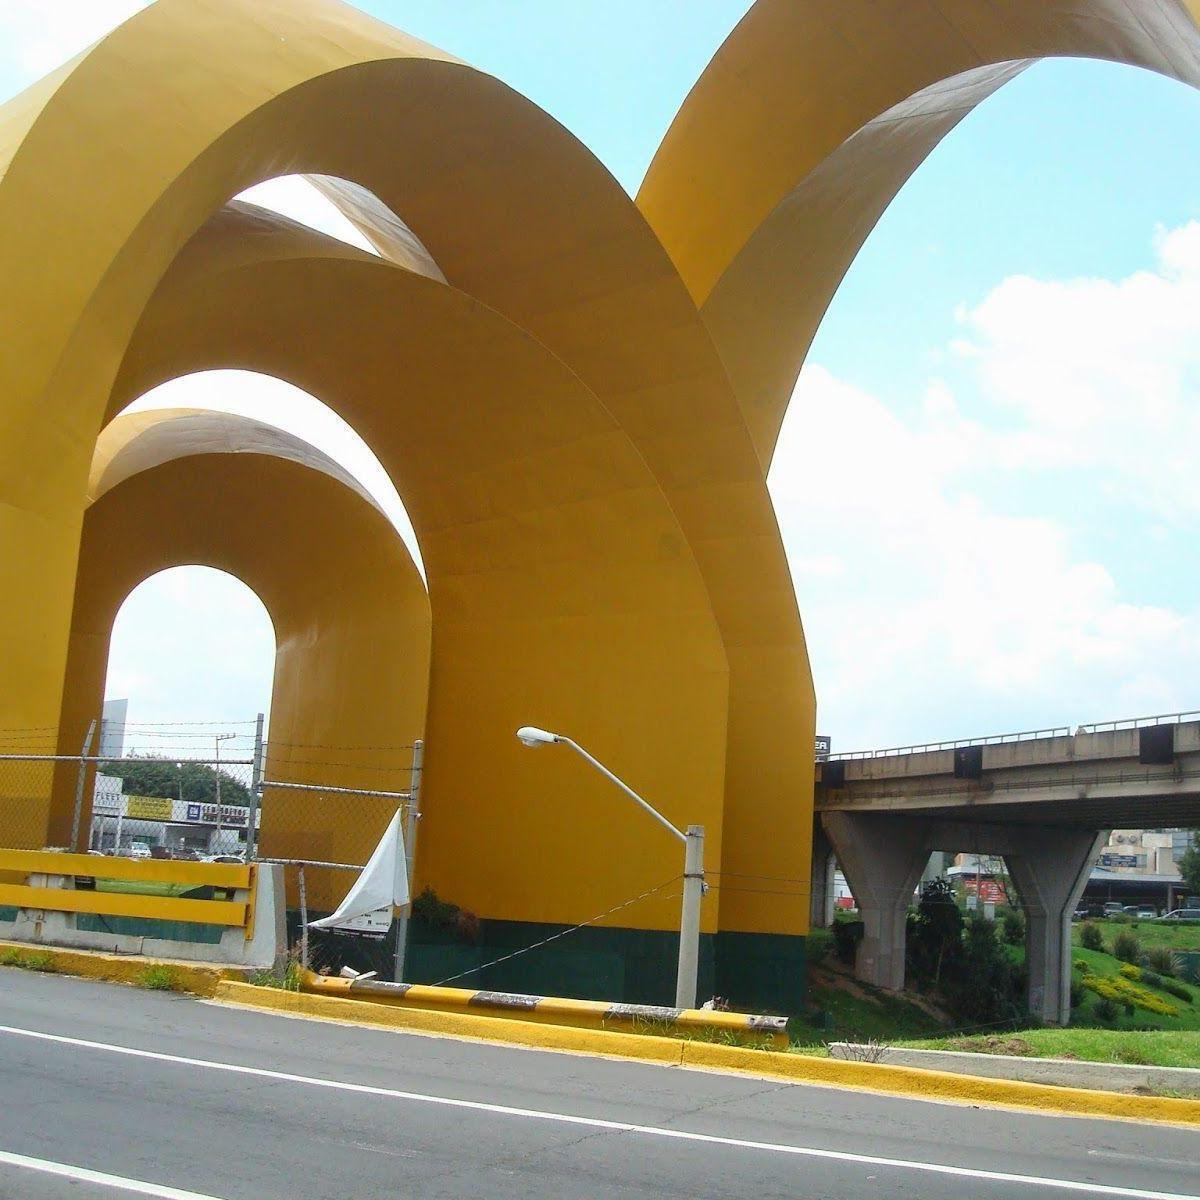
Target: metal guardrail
<point>1023,736</point>
<point>1140,722</point>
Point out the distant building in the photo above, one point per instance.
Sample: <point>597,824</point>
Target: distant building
<point>112,728</point>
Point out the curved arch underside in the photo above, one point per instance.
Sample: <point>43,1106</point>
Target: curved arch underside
<point>136,442</point>
<point>844,102</point>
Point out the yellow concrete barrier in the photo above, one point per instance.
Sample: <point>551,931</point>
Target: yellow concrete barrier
<point>740,1028</point>
<point>68,897</point>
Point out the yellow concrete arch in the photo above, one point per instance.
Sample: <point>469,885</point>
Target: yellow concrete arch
<point>355,610</point>
<point>515,213</point>
<point>561,587</point>
<point>808,121</point>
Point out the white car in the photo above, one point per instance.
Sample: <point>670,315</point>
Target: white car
<point>139,850</point>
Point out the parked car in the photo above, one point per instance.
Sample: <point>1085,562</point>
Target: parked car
<point>140,850</point>
<point>1113,907</point>
<point>1087,912</point>
<point>1182,914</point>
<point>224,858</point>
<point>1146,912</point>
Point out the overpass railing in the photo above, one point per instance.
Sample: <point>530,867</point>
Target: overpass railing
<point>1140,722</point>
<point>1026,735</point>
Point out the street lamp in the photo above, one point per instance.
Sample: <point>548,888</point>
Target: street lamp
<point>693,865</point>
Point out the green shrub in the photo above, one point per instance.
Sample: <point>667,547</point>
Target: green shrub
<point>1149,978</point>
<point>1130,971</point>
<point>818,946</point>
<point>1013,926</point>
<point>846,936</point>
<point>1105,1010</point>
<point>1172,988</point>
<point>1076,994</point>
<point>1126,947</point>
<point>1081,965</point>
<point>1090,937</point>
<point>1161,960</point>
<point>1123,990</point>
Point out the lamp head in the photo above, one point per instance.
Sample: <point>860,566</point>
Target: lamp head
<point>530,735</point>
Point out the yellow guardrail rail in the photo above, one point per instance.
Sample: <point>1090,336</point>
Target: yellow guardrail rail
<point>226,876</point>
<point>553,1010</point>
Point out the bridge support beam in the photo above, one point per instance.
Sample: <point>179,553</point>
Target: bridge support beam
<point>882,858</point>
<point>1050,871</point>
<point>823,867</point>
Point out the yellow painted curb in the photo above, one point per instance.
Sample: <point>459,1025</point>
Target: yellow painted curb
<point>797,1068</point>
<point>198,979</point>
<point>453,1024</point>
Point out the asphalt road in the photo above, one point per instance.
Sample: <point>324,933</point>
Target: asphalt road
<point>162,1095</point>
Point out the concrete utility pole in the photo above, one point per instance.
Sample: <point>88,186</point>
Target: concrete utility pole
<point>693,866</point>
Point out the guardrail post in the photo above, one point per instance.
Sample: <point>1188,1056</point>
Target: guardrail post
<point>79,784</point>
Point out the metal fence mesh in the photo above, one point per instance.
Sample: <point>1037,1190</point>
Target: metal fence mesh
<point>27,788</point>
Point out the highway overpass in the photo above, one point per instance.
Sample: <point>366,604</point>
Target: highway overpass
<point>1043,800</point>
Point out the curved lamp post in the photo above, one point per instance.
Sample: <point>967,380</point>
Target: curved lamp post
<point>693,865</point>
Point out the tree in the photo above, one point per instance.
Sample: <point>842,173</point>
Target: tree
<point>196,783</point>
<point>935,933</point>
<point>1189,868</point>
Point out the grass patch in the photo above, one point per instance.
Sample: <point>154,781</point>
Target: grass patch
<point>27,960</point>
<point>1103,973</point>
<point>287,979</point>
<point>1145,1048</point>
<point>137,887</point>
<point>158,977</point>
<point>1148,933</point>
<point>852,1011</point>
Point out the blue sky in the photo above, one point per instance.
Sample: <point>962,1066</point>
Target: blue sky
<point>988,504</point>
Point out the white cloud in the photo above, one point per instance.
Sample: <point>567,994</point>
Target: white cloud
<point>948,615</point>
<point>38,35</point>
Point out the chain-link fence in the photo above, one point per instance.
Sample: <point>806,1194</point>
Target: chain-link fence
<point>179,796</point>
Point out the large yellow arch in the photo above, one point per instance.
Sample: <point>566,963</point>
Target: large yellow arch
<point>356,609</point>
<point>807,123</point>
<point>513,210</point>
<point>562,590</point>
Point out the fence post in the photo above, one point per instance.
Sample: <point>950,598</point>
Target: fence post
<point>410,854</point>
<point>303,922</point>
<point>256,778</point>
<point>79,784</point>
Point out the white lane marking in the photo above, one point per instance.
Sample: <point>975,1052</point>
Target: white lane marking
<point>83,1175</point>
<point>505,1110</point>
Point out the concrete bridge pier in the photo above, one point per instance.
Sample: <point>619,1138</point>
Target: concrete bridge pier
<point>1050,871</point>
<point>882,859</point>
<point>823,866</point>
